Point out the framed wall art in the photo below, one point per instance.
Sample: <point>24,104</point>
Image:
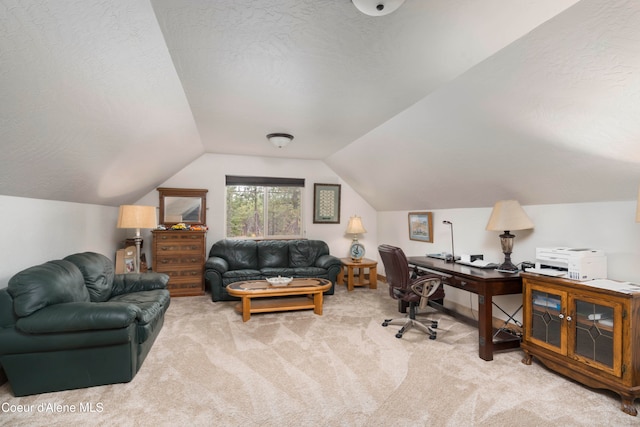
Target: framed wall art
<point>326,203</point>
<point>421,226</point>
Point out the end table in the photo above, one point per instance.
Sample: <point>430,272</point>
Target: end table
<point>361,266</point>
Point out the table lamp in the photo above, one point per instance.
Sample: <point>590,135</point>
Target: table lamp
<point>508,215</point>
<point>355,227</point>
<point>134,216</point>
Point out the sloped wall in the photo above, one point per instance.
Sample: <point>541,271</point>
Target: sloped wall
<point>35,231</point>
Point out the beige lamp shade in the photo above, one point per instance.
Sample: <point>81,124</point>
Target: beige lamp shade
<point>508,215</point>
<point>355,225</point>
<point>135,216</point>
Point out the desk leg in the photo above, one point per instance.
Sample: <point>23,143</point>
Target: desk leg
<point>373,277</point>
<point>350,278</point>
<point>485,327</point>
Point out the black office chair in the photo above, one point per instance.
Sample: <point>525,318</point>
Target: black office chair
<point>416,291</point>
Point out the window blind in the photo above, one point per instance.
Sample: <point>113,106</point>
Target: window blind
<point>264,181</point>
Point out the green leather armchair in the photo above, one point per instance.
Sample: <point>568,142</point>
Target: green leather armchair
<point>73,323</point>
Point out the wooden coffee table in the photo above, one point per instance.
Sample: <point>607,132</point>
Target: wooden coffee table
<point>309,292</point>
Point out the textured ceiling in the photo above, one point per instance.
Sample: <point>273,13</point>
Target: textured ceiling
<point>443,103</point>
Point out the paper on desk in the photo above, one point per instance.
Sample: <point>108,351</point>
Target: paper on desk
<point>612,285</point>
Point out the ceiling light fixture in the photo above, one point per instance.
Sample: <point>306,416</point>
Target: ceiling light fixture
<point>377,7</point>
<point>280,139</point>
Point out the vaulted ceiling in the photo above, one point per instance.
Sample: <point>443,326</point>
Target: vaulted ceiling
<point>440,104</point>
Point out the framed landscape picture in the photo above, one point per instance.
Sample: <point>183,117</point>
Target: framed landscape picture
<point>421,226</point>
<point>326,203</point>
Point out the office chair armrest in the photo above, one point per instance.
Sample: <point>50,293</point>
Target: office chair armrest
<point>425,287</point>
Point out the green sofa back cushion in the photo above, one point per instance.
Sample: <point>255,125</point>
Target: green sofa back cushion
<point>53,282</point>
<point>240,254</point>
<point>98,274</point>
<point>304,253</point>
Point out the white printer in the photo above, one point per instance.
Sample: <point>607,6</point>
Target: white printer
<point>579,263</point>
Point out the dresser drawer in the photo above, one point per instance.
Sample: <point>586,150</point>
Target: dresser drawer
<point>171,260</point>
<point>178,236</point>
<point>178,247</point>
<point>174,272</point>
<point>186,286</point>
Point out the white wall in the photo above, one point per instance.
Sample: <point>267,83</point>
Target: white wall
<point>209,172</point>
<point>608,226</point>
<point>35,231</point>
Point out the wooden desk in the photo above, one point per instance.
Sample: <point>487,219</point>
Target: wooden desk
<point>351,265</point>
<point>485,284</point>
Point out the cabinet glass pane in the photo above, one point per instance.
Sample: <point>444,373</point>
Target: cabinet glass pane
<point>594,332</point>
<point>545,323</point>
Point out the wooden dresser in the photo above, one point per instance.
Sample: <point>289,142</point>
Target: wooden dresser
<point>181,255</point>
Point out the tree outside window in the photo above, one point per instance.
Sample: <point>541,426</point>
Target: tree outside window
<point>259,211</point>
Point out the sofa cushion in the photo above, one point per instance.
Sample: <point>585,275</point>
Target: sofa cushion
<point>240,254</point>
<point>273,253</point>
<point>53,282</point>
<point>98,274</point>
<point>242,274</point>
<point>77,316</point>
<point>150,306</point>
<point>303,253</point>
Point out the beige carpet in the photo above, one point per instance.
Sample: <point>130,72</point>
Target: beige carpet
<point>208,368</point>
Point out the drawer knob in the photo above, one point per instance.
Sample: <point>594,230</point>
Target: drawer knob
<point>463,283</point>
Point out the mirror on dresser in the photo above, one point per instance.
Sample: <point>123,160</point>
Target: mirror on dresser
<point>183,205</point>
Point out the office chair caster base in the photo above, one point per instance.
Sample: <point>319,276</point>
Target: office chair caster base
<point>434,324</point>
<point>398,335</point>
<point>386,322</point>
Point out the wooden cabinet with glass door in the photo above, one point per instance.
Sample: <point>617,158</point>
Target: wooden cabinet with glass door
<point>587,331</point>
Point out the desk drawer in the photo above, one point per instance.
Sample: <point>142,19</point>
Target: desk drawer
<point>461,283</point>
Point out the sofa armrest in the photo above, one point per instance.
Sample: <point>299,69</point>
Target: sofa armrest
<point>218,264</point>
<point>326,261</point>
<point>138,282</point>
<point>78,316</point>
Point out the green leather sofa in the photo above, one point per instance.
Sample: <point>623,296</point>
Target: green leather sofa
<point>73,323</point>
<point>236,260</point>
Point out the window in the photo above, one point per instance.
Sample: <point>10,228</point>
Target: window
<point>260,207</point>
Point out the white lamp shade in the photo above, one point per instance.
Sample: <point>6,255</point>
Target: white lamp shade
<point>135,216</point>
<point>355,225</point>
<point>508,215</point>
<point>377,7</point>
